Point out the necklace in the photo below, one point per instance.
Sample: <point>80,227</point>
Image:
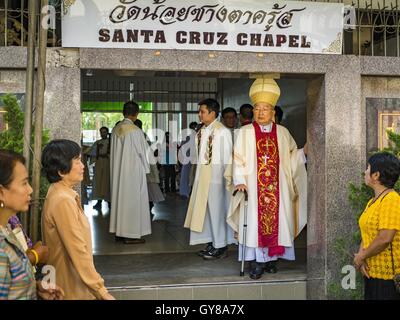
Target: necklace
<point>378,197</point>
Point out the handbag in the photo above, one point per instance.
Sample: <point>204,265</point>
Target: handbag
<point>396,277</point>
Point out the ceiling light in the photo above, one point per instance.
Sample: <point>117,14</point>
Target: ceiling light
<point>125,73</point>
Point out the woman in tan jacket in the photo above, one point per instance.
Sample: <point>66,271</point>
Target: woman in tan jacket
<point>66,229</point>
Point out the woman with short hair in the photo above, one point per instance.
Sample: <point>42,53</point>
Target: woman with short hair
<point>66,228</point>
<point>378,258</point>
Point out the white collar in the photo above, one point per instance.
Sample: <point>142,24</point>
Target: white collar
<point>266,128</point>
<point>127,119</point>
<point>210,125</point>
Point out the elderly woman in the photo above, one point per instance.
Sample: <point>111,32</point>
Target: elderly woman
<point>378,258</point>
<point>66,228</point>
<point>17,279</point>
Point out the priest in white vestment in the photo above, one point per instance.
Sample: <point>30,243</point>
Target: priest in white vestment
<point>184,157</point>
<point>209,201</point>
<point>130,214</point>
<point>269,167</point>
<point>153,178</point>
<point>100,155</point>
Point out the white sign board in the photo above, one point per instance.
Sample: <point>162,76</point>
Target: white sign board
<point>228,25</point>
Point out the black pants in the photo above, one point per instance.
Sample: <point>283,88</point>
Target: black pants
<point>170,178</point>
<point>379,289</point>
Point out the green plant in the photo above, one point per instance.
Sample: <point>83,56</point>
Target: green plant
<point>359,195</point>
<point>13,138</point>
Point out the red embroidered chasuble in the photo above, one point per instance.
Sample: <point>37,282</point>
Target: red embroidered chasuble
<point>268,190</point>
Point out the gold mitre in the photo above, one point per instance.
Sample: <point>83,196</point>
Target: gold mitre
<point>264,90</point>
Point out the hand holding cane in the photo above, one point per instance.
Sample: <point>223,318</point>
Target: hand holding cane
<point>244,230</point>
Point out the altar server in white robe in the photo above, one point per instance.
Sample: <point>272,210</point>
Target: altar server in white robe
<point>269,167</point>
<point>130,214</point>
<point>209,201</point>
<point>100,155</point>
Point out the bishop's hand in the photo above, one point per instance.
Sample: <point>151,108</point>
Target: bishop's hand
<point>241,187</point>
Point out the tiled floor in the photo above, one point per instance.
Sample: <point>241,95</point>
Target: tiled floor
<point>173,269</point>
<point>168,234</point>
<point>166,266</point>
<point>295,290</point>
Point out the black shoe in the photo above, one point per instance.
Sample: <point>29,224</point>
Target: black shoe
<point>270,267</point>
<point>257,270</point>
<point>133,241</point>
<point>119,238</point>
<point>216,254</point>
<point>208,248</point>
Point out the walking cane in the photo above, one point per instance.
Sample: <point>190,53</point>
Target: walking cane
<point>244,231</point>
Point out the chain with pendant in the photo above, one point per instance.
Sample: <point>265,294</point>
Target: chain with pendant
<point>209,150</point>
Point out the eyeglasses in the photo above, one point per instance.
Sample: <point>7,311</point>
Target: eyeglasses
<point>263,110</point>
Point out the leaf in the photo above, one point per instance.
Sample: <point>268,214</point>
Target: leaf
<point>13,138</point>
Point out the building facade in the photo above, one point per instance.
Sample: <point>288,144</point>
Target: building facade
<point>344,94</point>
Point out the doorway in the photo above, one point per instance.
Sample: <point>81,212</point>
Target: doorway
<point>170,99</point>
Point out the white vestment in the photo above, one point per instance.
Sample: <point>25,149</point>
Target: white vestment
<point>292,192</point>
<point>212,227</point>
<point>184,155</point>
<point>130,214</point>
<point>153,185</point>
<point>99,154</point>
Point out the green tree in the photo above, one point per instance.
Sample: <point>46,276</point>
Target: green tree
<point>13,138</point>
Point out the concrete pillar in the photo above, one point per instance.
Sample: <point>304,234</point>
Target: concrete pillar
<point>63,95</point>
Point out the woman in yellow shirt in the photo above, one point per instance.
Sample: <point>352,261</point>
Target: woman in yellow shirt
<point>378,258</point>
